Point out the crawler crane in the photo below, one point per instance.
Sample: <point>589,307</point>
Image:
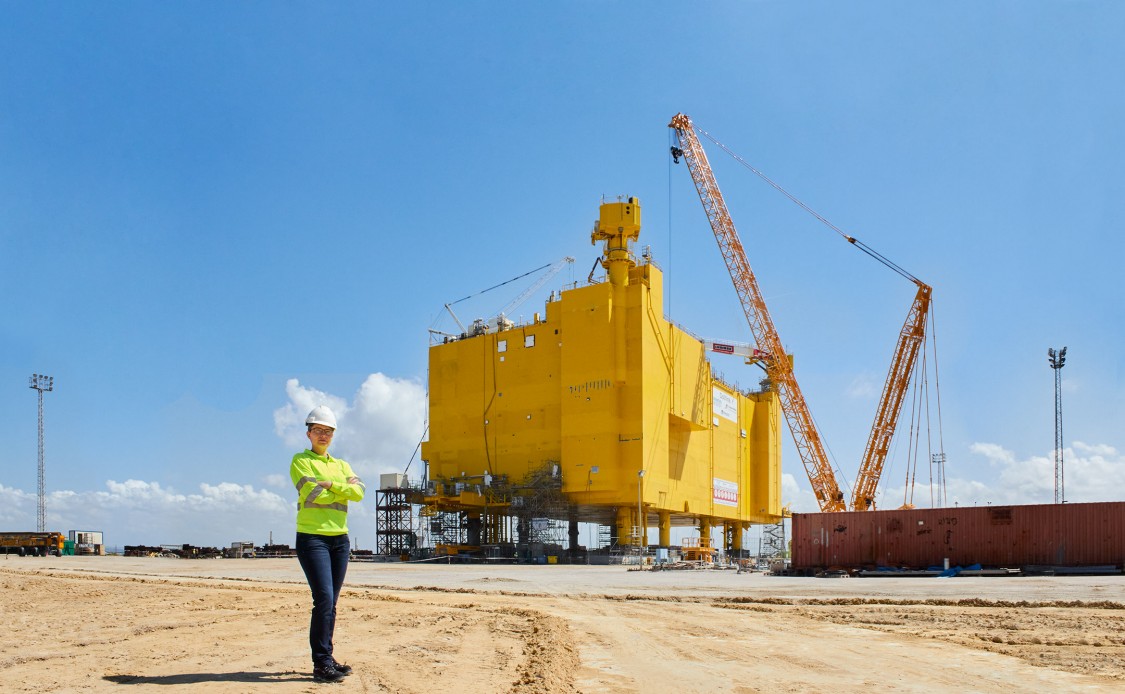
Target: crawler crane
<point>903,362</point>
<point>910,339</point>
<point>778,366</point>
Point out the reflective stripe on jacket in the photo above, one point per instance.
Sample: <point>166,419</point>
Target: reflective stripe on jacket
<point>323,511</point>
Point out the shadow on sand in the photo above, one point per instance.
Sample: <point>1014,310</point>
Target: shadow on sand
<point>200,677</point>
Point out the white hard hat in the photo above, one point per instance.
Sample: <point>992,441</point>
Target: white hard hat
<point>321,415</point>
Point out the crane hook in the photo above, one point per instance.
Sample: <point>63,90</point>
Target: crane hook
<point>676,154</point>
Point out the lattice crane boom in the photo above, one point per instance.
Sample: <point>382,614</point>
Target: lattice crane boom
<point>551,272</point>
<point>780,369</point>
<point>911,339</point>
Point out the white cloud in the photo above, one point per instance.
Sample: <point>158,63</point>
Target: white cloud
<point>995,453</point>
<point>377,432</point>
<point>289,420</point>
<point>862,387</point>
<point>1092,473</point>
<point>1097,450</point>
<point>17,508</point>
<point>277,481</point>
<point>799,498</point>
<point>140,512</point>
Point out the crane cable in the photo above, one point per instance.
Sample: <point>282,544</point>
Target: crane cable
<point>484,291</point>
<point>937,390</point>
<point>542,267</point>
<point>416,449</point>
<point>847,237</point>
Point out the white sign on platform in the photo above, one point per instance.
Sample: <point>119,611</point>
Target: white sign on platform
<point>724,492</point>
<point>724,404</point>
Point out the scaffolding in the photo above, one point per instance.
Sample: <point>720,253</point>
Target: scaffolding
<point>772,544</point>
<point>447,528</point>
<point>606,537</point>
<point>394,520</point>
<point>540,510</point>
<point>492,517</point>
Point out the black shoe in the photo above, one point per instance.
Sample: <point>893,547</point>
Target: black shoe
<point>344,670</point>
<point>327,673</point>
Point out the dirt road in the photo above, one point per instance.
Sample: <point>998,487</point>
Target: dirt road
<point>136,625</point>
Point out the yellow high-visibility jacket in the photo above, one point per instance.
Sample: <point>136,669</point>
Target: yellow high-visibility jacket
<point>323,511</point>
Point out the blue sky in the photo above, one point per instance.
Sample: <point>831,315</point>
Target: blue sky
<point>215,214</point>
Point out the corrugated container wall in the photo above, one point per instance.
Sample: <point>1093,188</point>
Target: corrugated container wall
<point>993,536</point>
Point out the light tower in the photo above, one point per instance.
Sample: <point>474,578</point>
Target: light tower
<point>937,475</point>
<point>42,384</point>
<point>1057,360</point>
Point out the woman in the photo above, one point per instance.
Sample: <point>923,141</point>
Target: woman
<point>325,485</point>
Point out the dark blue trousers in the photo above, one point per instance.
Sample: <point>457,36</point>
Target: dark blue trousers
<point>324,559</point>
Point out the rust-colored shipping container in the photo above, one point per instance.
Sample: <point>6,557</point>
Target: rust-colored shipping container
<point>992,536</point>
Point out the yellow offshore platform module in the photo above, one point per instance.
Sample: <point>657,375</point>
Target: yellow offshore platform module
<point>600,411</point>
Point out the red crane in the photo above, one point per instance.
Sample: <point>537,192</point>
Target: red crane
<point>778,365</point>
<point>911,339</point>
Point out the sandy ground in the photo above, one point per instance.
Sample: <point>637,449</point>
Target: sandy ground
<point>160,625</point>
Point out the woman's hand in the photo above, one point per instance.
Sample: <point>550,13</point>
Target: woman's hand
<point>327,484</point>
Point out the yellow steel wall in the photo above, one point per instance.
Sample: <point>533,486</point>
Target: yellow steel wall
<point>609,383</point>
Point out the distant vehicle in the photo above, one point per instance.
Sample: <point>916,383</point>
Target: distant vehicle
<point>35,544</point>
<point>240,550</point>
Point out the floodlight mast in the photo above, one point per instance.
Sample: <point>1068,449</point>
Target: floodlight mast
<point>42,384</point>
<point>1057,359</point>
